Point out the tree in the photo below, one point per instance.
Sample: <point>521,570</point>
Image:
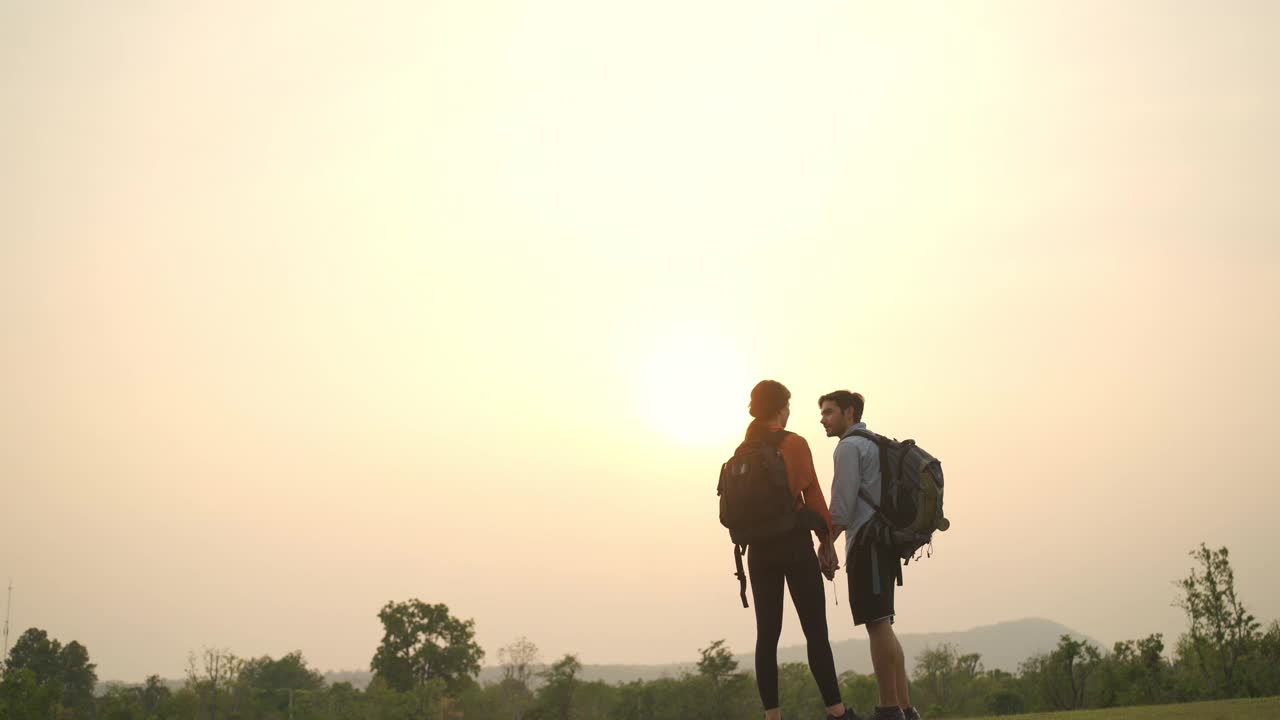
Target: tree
<point>22,696</point>
<point>344,701</point>
<point>120,702</point>
<point>716,662</point>
<point>1136,673</point>
<point>154,694</point>
<point>290,671</point>
<point>944,678</point>
<point>1006,702</point>
<point>37,652</point>
<point>717,666</point>
<point>517,660</point>
<point>422,702</point>
<point>1265,662</point>
<point>555,699</point>
<point>78,677</point>
<point>796,689</point>
<point>1062,676</point>
<point>859,690</point>
<point>63,670</point>
<point>276,681</point>
<point>1222,632</point>
<point>211,677</point>
<point>422,642</point>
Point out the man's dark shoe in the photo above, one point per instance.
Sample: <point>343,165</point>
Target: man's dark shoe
<point>849,714</point>
<point>911,713</point>
<point>888,713</point>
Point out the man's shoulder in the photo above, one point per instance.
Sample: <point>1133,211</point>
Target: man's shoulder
<point>862,444</point>
<point>852,446</point>
<point>856,436</point>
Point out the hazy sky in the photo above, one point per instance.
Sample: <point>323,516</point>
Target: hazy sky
<point>306,307</point>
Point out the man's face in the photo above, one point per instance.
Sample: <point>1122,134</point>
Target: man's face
<point>836,421</point>
<point>786,414</point>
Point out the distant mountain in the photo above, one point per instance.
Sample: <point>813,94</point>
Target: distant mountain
<point>1002,646</point>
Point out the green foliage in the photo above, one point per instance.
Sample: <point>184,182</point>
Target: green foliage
<point>422,642</point>
<point>78,678</point>
<point>555,700</point>
<point>654,700</point>
<point>490,701</point>
<point>1006,702</point>
<point>514,694</point>
<point>41,675</point>
<point>22,695</point>
<point>278,683</point>
<point>1263,666</point>
<point>719,688</point>
<point>859,691</point>
<point>1135,673</point>
<point>434,657</point>
<point>1061,678</point>
<point>424,701</point>
<point>36,652</point>
<point>1222,633</point>
<point>212,677</point>
<point>290,671</point>
<point>946,680</point>
<point>798,692</point>
<point>716,662</point>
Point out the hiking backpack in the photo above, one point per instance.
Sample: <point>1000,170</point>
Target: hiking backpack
<point>755,498</point>
<point>911,486</point>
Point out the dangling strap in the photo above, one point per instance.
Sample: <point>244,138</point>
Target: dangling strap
<point>742,576</point>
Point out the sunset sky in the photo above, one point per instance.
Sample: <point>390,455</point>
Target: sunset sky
<point>310,306</point>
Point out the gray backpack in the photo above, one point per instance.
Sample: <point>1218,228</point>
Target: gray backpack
<point>911,486</point>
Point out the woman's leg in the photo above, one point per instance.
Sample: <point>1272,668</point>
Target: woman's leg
<point>766,595</point>
<point>804,580</point>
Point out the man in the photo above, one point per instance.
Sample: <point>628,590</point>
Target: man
<point>870,563</point>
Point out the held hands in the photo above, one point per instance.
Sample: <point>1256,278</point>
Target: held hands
<point>828,561</point>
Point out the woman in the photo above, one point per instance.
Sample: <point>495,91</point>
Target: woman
<point>789,559</point>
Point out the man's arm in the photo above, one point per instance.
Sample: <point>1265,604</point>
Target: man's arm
<point>844,486</point>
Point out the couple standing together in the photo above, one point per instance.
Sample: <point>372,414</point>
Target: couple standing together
<point>789,559</point>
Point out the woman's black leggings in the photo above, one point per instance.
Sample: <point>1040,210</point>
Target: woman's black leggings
<point>793,562</point>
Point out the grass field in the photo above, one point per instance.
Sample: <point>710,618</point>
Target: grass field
<point>1252,709</point>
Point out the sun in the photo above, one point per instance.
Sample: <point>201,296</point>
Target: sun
<point>695,389</point>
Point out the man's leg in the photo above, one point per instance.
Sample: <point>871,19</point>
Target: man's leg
<point>871,585</point>
<point>886,660</point>
<point>904,696</point>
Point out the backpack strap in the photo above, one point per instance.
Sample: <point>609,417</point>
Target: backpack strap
<point>873,437</point>
<point>774,440</point>
<point>742,577</point>
<point>862,493</point>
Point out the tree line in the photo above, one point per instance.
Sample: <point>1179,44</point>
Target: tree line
<point>426,664</point>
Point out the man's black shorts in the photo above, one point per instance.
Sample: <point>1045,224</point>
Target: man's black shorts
<point>872,571</point>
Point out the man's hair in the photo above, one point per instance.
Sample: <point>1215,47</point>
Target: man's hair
<point>768,398</point>
<point>845,400</point>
